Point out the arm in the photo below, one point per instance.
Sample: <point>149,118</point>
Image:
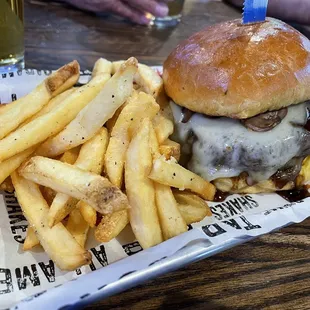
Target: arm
<point>291,10</point>
<point>133,10</point>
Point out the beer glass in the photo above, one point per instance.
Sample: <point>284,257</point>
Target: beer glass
<point>174,15</point>
<point>11,35</point>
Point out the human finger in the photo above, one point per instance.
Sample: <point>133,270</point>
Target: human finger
<point>154,7</point>
<point>131,13</point>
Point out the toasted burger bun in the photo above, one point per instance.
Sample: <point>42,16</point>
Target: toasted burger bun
<point>239,71</point>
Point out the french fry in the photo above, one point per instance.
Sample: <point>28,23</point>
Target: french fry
<point>78,227</point>
<point>91,159</point>
<point>50,123</point>
<point>137,108</point>
<point>52,104</point>
<point>111,122</point>
<point>153,143</point>
<point>31,239</point>
<point>61,206</point>
<point>172,174</point>
<point>93,117</point>
<point>192,214</point>
<point>192,207</point>
<point>48,194</point>
<point>140,189</point>
<point>11,164</point>
<point>111,226</point>
<point>70,156</point>
<point>94,189</point>
<point>7,185</point>
<point>170,149</point>
<point>57,241</point>
<point>171,220</point>
<point>89,213</point>
<point>147,78</point>
<point>102,66</point>
<point>17,112</point>
<point>163,127</point>
<point>188,198</point>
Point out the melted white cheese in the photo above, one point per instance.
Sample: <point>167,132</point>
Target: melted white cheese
<point>225,148</point>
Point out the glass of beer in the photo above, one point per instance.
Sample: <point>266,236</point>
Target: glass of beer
<point>174,16</point>
<point>11,35</point>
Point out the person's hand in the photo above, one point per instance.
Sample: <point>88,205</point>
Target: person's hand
<point>134,10</point>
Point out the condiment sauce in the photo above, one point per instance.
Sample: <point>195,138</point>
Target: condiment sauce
<point>294,195</point>
<point>220,196</point>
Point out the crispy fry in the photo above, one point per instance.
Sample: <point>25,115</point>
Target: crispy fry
<point>61,206</point>
<point>172,174</point>
<point>51,123</point>
<point>137,108</point>
<point>140,189</point>
<point>147,78</point>
<point>192,214</point>
<point>96,190</point>
<point>102,66</point>
<point>111,122</point>
<point>17,112</point>
<point>193,208</point>
<point>111,226</point>
<point>56,241</point>
<point>171,220</point>
<point>48,194</point>
<point>52,104</point>
<point>70,156</point>
<point>153,143</point>
<point>91,159</point>
<point>89,213</point>
<point>78,227</point>
<point>93,117</point>
<point>7,185</point>
<point>170,149</point>
<point>11,164</point>
<point>163,127</point>
<point>31,239</point>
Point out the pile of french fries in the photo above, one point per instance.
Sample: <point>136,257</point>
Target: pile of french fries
<point>97,156</point>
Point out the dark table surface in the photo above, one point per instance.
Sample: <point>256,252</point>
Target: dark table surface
<point>272,272</point>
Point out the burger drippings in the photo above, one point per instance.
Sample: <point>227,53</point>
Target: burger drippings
<point>294,195</point>
<point>307,125</point>
<point>288,173</point>
<point>265,121</point>
<point>186,115</point>
<point>220,196</point>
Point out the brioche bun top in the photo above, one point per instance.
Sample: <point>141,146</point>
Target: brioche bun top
<point>239,71</point>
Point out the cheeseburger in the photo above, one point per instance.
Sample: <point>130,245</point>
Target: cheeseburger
<point>240,105</point>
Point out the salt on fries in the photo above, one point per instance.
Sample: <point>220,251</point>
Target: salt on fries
<point>92,188</point>
<point>50,123</point>
<point>90,159</point>
<point>15,113</point>
<point>93,116</point>
<point>70,173</point>
<point>140,189</point>
<point>57,241</point>
<point>138,107</point>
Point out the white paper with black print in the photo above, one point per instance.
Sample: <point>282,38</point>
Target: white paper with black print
<point>31,280</point>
